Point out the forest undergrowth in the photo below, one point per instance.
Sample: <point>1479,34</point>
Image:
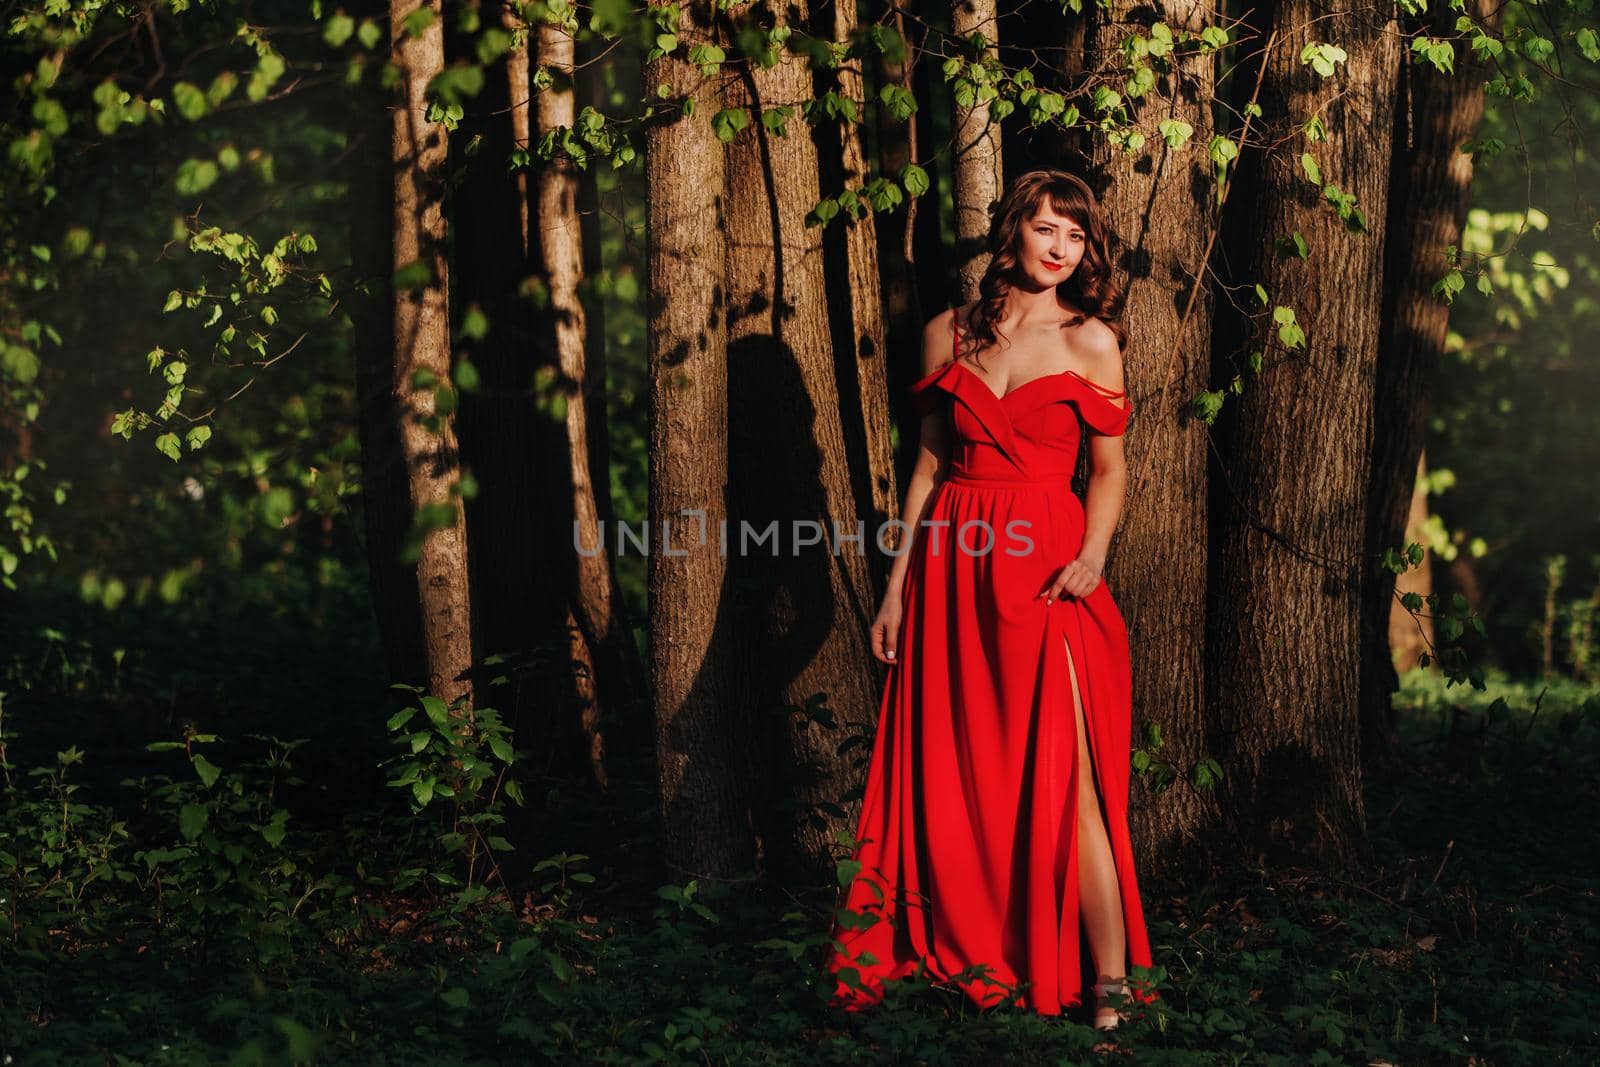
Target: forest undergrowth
<point>192,871</point>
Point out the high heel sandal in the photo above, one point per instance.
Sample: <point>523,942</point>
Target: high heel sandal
<point>1107,1016</point>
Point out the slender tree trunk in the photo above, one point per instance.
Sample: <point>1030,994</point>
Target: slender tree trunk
<point>422,346</point>
<point>1158,563</point>
<point>898,147</point>
<point>385,488</point>
<point>596,603</point>
<point>1412,635</point>
<point>504,444</point>
<point>702,722</point>
<point>977,155</point>
<point>1430,188</point>
<point>856,299</point>
<point>1285,603</point>
<point>813,604</point>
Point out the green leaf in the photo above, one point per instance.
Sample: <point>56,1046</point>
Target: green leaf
<point>502,749</point>
<point>275,831</point>
<point>1289,331</point>
<point>915,179</point>
<point>1322,57</point>
<point>192,819</point>
<point>1589,44</point>
<point>1308,163</point>
<point>436,709</point>
<point>1175,132</point>
<point>195,176</point>
<point>190,100</point>
<point>1207,406</point>
<point>338,29</point>
<point>474,324</point>
<point>207,771</point>
<point>167,445</point>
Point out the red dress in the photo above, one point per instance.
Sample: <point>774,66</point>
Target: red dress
<point>967,834</point>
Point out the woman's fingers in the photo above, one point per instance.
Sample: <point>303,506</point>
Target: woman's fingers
<point>885,640</point>
<point>1075,580</point>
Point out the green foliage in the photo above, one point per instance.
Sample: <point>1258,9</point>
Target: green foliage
<point>464,760</point>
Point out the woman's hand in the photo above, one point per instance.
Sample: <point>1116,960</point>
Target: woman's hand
<point>886,629</point>
<point>1078,578</point>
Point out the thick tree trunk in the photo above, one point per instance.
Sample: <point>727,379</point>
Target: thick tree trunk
<point>977,155</point>
<point>1158,562</point>
<point>385,487</point>
<point>422,344</point>
<point>702,720</point>
<point>1285,600</point>
<point>811,605</point>
<point>1430,187</point>
<point>856,305</point>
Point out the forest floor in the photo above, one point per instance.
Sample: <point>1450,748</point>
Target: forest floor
<point>246,900</point>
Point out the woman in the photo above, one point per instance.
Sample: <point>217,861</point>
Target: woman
<point>995,813</point>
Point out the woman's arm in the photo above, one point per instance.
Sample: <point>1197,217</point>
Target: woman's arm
<point>933,453</point>
<point>1108,478</point>
<point>933,457</point>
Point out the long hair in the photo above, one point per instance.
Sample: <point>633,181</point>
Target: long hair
<point>1090,288</point>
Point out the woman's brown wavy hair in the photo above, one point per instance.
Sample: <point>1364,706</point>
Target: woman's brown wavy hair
<point>1091,288</point>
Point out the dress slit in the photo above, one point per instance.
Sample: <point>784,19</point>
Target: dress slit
<point>1080,720</point>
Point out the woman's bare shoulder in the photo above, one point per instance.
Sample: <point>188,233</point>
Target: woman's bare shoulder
<point>1100,353</point>
<point>938,342</point>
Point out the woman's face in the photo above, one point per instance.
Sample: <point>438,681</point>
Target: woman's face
<point>1052,245</point>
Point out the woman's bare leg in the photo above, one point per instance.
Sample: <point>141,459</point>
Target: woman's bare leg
<point>1099,893</point>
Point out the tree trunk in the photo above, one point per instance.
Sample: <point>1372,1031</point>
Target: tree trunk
<point>702,721</point>
<point>1158,562</point>
<point>1412,635</point>
<point>977,155</point>
<point>422,345</point>
<point>385,488</point>
<point>1285,622</point>
<point>596,603</point>
<point>517,563</point>
<point>1430,187</point>
<point>856,310</point>
<point>898,147</point>
<point>812,605</point>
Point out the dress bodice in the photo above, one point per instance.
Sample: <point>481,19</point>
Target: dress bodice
<point>1031,433</point>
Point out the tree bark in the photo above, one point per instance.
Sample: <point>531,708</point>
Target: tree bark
<point>1158,562</point>
<point>702,722</point>
<point>385,487</point>
<point>811,605</point>
<point>856,311</point>
<point>1285,599</point>
<point>1412,635</point>
<point>596,603</point>
<point>977,155</point>
<point>899,142</point>
<point>1430,188</point>
<point>422,344</point>
<point>517,561</point>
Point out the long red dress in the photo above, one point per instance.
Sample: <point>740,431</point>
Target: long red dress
<point>967,834</point>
